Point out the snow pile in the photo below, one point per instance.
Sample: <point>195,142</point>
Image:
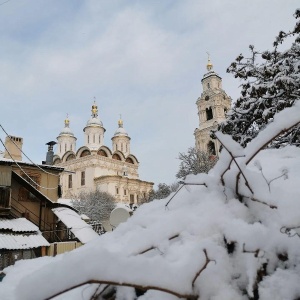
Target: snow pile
<point>227,235</point>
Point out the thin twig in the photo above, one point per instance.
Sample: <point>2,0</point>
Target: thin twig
<point>182,185</point>
<point>222,176</point>
<point>109,282</point>
<point>152,248</point>
<point>255,252</point>
<point>241,172</point>
<point>207,261</point>
<point>264,203</point>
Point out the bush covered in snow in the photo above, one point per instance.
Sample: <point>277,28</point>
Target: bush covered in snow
<point>270,83</point>
<point>231,234</point>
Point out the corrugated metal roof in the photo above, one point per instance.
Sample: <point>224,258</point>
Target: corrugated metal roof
<point>83,231</point>
<point>17,225</point>
<point>15,242</point>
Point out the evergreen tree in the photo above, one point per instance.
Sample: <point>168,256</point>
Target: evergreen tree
<point>195,162</point>
<point>271,82</point>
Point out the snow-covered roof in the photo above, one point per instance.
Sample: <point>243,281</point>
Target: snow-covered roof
<point>8,161</point>
<point>14,242</point>
<point>17,225</point>
<point>83,231</point>
<point>65,201</point>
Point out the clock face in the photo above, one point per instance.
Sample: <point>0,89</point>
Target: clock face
<point>207,98</point>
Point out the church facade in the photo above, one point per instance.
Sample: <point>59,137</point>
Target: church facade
<point>96,166</point>
<point>212,107</point>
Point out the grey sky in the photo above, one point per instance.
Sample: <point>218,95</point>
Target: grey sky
<point>143,59</point>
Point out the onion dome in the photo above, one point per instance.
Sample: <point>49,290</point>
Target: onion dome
<point>94,119</point>
<point>209,65</point>
<point>120,131</point>
<point>66,130</point>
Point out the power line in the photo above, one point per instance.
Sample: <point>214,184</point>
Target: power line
<point>46,188</point>
<point>25,154</point>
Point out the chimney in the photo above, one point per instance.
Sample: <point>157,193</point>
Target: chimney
<point>50,153</point>
<point>13,147</point>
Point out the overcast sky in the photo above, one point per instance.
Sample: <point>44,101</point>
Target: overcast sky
<point>142,59</point>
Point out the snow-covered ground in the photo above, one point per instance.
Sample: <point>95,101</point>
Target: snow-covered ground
<point>227,235</point>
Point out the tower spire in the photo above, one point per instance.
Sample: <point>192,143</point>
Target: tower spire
<point>120,122</point>
<point>209,65</point>
<point>67,121</point>
<point>94,109</point>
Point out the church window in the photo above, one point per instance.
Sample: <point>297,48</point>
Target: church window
<point>208,86</point>
<point>207,98</point>
<point>82,178</point>
<point>129,160</point>
<point>70,157</point>
<point>71,147</point>
<point>101,152</point>
<point>211,148</point>
<point>126,148</point>
<point>225,111</point>
<point>70,181</point>
<point>125,192</point>
<point>209,113</point>
<point>85,153</point>
<point>122,147</point>
<point>88,138</point>
<point>131,198</point>
<point>99,139</point>
<point>116,157</point>
<point>94,138</point>
<point>59,148</point>
<point>117,190</point>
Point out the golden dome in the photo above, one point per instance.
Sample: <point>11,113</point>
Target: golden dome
<point>209,65</point>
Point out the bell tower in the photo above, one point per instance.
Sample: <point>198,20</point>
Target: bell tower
<point>212,105</point>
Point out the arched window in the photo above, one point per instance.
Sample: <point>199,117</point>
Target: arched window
<point>70,157</point>
<point>116,157</point>
<point>101,152</point>
<point>85,153</point>
<point>208,86</point>
<point>129,160</point>
<point>211,148</point>
<point>209,113</point>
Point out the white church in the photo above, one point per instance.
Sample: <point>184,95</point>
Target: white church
<point>95,165</point>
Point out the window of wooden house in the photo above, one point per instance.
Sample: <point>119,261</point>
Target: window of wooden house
<point>83,178</point>
<point>4,197</point>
